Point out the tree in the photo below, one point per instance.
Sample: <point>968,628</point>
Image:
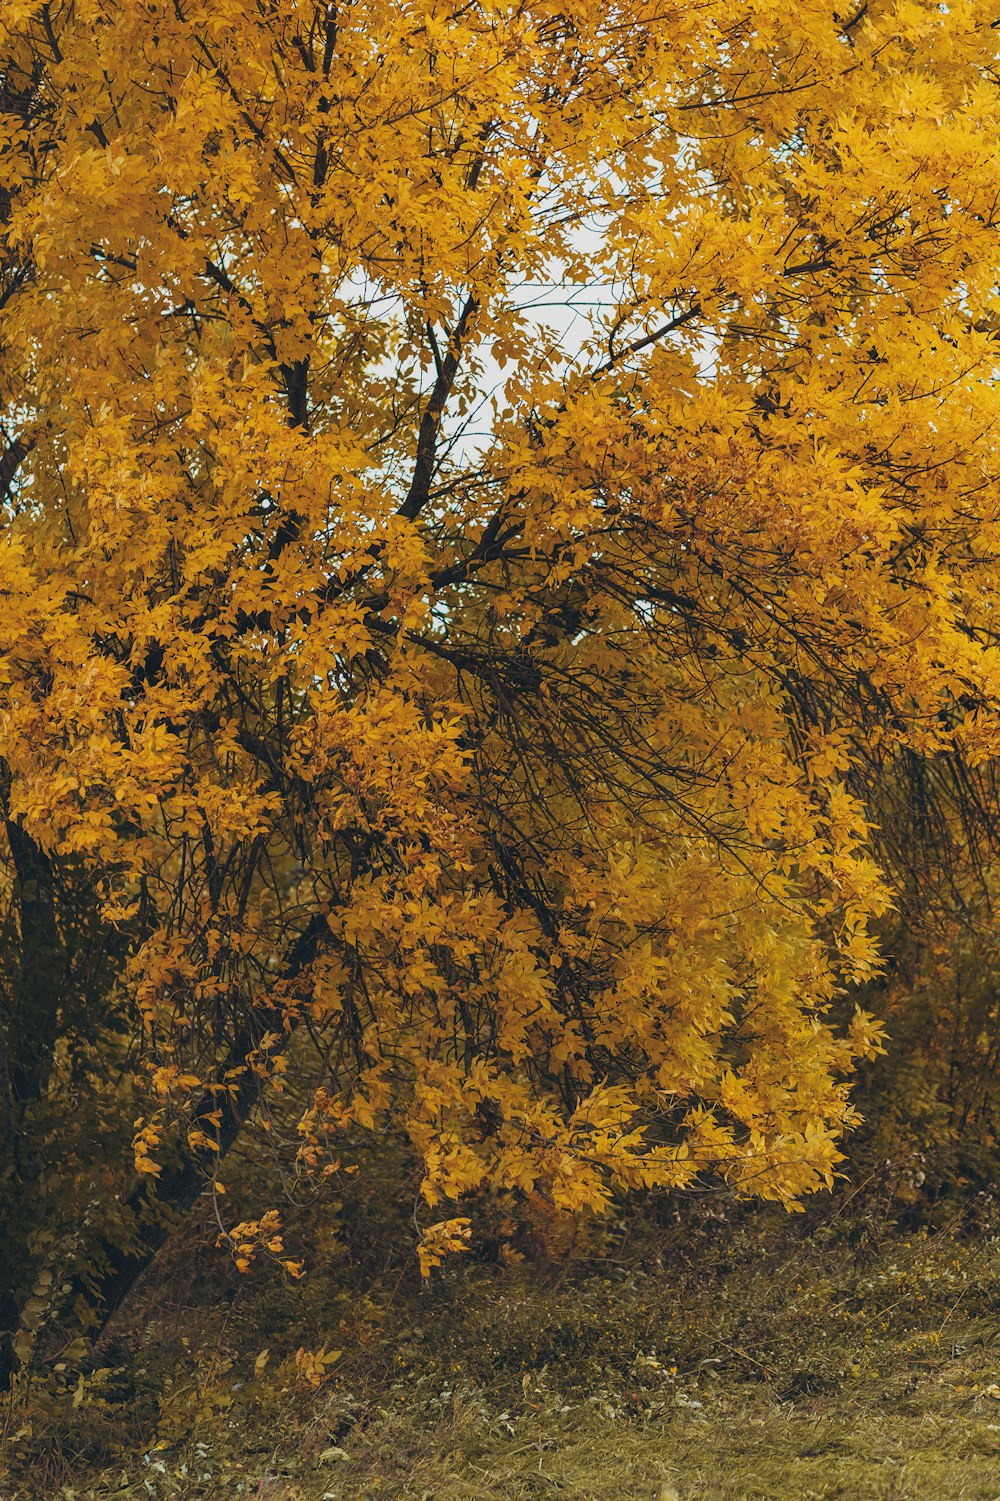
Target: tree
<point>503,713</point>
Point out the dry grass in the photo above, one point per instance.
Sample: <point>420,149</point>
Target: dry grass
<point>784,1366</point>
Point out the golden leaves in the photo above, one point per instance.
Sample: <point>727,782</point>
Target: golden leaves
<point>441,1240</point>
<point>548,664</point>
<point>251,1237</point>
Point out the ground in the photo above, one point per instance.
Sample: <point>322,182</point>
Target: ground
<point>718,1361</point>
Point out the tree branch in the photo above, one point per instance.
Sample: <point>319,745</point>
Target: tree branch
<point>423,469</point>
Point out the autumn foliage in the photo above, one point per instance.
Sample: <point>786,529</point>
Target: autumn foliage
<point>475,725</point>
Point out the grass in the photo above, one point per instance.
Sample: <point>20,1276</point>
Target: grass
<point>756,1359</point>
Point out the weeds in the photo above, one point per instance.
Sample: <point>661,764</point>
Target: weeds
<point>793,1365</point>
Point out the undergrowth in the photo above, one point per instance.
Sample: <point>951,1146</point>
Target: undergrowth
<point>706,1355</point>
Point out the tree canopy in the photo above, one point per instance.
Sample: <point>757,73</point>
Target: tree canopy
<point>475,723</point>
